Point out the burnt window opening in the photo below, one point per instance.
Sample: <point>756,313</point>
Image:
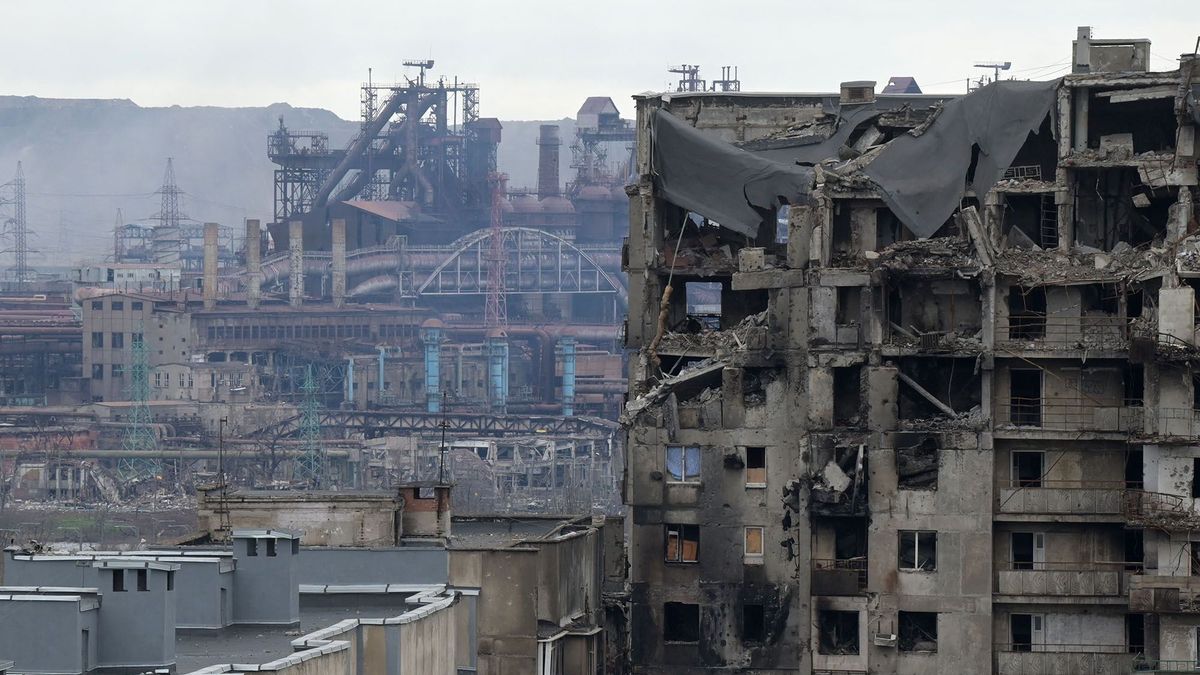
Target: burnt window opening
<point>118,581</point>
<point>1028,468</point>
<point>1102,298</point>
<point>888,229</point>
<point>1026,313</point>
<point>683,464</point>
<point>1025,630</point>
<point>754,623</point>
<point>683,543</point>
<point>702,307</point>
<point>737,306</point>
<point>1028,550</point>
<point>1133,376</point>
<point>917,465</point>
<point>951,382</point>
<point>838,632</point>
<point>1135,550</point>
<point>1133,470</point>
<point>847,397</point>
<point>754,385</point>
<point>142,581</point>
<point>681,622</point>
<point>1151,122</point>
<point>1113,210</point>
<point>756,467</point>
<point>1031,220</point>
<point>918,550</point>
<point>1025,397</point>
<point>1135,633</point>
<point>842,235</point>
<point>918,631</point>
<point>850,539</point>
<point>849,305</point>
<point>1134,302</point>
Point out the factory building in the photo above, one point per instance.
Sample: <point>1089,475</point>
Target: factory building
<point>942,418</point>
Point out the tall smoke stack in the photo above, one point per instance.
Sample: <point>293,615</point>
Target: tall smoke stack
<point>211,231</point>
<point>253,264</point>
<point>548,144</point>
<point>339,262</point>
<point>295,263</point>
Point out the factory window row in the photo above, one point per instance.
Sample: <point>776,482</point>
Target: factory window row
<point>257,332</point>
<point>115,340</point>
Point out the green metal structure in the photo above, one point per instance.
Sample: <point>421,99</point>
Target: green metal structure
<point>310,466</point>
<point>140,438</point>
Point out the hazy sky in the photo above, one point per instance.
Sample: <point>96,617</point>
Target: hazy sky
<point>536,59</point>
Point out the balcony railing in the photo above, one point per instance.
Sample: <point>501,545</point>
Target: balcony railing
<point>1038,659</point>
<point>1159,511</point>
<point>1061,497</point>
<point>1164,594</point>
<point>1037,413</point>
<point>1066,579</point>
<point>850,568</point>
<point>1166,666</point>
<point>1063,333</point>
<point>1176,422</point>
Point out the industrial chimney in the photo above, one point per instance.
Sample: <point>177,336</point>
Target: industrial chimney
<point>548,144</point>
<point>295,263</point>
<point>339,262</point>
<point>253,263</point>
<point>211,231</point>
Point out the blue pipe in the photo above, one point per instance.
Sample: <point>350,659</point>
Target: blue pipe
<point>497,349</point>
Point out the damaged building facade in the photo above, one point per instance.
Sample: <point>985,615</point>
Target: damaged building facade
<point>917,377</point>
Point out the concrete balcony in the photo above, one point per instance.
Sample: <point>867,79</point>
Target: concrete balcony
<point>1065,581</point>
<point>1163,667</point>
<point>1062,334</point>
<point>1160,511</point>
<point>1035,414</point>
<point>1056,659</point>
<point>839,577</point>
<point>1164,594</point>
<point>1085,499</point>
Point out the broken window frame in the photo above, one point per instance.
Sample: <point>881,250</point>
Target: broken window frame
<point>748,534</point>
<point>754,615</point>
<point>675,623</point>
<point>1015,479</point>
<point>688,458</point>
<point>680,534</point>
<point>756,476</point>
<point>829,625</point>
<point>907,627</point>
<point>924,550</point>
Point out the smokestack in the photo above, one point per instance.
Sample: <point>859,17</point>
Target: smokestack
<point>253,263</point>
<point>339,262</point>
<point>211,230</point>
<point>548,143</point>
<point>295,263</point>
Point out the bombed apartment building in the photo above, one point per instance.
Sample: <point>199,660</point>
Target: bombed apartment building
<point>916,387</point>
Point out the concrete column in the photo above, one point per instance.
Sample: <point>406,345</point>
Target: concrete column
<point>253,264</point>
<point>548,144</point>
<point>1179,215</point>
<point>211,231</point>
<point>295,263</point>
<point>339,262</point>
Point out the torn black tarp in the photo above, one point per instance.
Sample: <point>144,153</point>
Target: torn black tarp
<point>728,185</point>
<point>922,178</point>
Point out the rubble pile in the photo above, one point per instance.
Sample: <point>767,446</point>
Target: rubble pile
<point>938,253</point>
<point>750,332</point>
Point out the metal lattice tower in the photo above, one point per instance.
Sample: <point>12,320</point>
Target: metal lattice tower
<point>310,465</point>
<point>20,230</point>
<point>140,440</point>
<point>495,310</point>
<point>170,212</point>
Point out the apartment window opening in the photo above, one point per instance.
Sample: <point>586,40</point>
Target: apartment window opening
<point>683,543</point>
<point>754,623</point>
<point>838,632</point>
<point>846,395</point>
<point>1025,400</point>
<point>681,622</point>
<point>756,467</point>
<point>753,545</point>
<point>1026,313</point>
<point>1028,468</point>
<point>918,550</point>
<point>918,631</point>
<point>683,464</point>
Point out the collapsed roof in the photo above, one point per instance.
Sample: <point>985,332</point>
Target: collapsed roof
<point>921,175</point>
